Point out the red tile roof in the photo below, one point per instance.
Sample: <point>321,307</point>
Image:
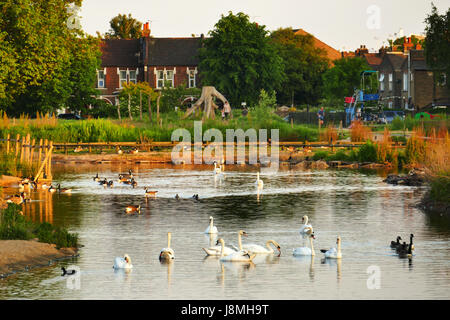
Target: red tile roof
<point>332,53</point>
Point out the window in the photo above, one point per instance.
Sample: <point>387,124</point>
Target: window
<point>169,77</point>
<point>381,82</point>
<point>390,81</point>
<point>160,78</point>
<point>133,76</point>
<point>122,77</point>
<point>191,75</point>
<point>100,79</point>
<point>390,105</point>
<point>405,81</point>
<point>442,79</point>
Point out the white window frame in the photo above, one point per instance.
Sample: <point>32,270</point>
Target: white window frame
<point>381,82</point>
<point>159,78</point>
<point>171,79</point>
<point>192,81</point>
<point>163,75</point>
<point>122,80</point>
<point>390,104</point>
<point>101,79</point>
<point>391,81</point>
<point>132,79</point>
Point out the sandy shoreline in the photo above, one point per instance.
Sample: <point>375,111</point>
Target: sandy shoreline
<point>20,255</point>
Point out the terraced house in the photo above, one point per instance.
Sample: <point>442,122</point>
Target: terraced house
<point>153,60</point>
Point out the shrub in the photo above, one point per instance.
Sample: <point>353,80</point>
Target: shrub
<point>368,152</point>
<point>359,132</point>
<point>13,225</point>
<point>320,155</point>
<point>341,155</point>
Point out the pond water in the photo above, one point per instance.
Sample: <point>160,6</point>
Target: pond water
<point>365,212</point>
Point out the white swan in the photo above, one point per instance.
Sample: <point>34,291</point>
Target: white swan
<point>167,253</point>
<point>217,249</point>
<point>256,248</point>
<point>333,253</point>
<point>217,168</point>
<point>241,256</point>
<point>305,251</point>
<point>211,228</point>
<point>306,229</point>
<point>123,263</point>
<point>259,182</point>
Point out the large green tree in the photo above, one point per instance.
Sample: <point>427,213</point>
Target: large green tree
<point>124,27</point>
<point>239,60</point>
<point>304,65</point>
<point>437,43</point>
<point>45,56</point>
<point>341,80</point>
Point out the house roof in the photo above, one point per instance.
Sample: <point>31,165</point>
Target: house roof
<point>332,53</point>
<point>120,52</point>
<point>173,51</point>
<point>373,59</point>
<point>396,60</point>
<point>418,60</point>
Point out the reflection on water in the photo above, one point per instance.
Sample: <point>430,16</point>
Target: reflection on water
<point>358,206</point>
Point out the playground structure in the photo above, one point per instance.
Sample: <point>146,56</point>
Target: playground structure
<point>206,98</point>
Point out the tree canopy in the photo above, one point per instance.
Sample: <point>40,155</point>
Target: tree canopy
<point>124,27</point>
<point>341,80</point>
<point>46,62</point>
<point>304,65</point>
<point>437,43</point>
<point>239,60</point>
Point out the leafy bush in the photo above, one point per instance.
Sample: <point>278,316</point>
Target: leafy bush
<point>341,155</point>
<point>368,152</point>
<point>440,188</point>
<point>320,155</point>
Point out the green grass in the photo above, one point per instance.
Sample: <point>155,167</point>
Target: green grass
<point>14,226</point>
<point>440,188</point>
<point>13,167</point>
<point>111,130</point>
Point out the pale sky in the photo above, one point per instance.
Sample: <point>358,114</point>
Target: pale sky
<point>342,24</point>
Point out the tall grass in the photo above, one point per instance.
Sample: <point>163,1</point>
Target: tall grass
<point>330,134</point>
<point>10,165</point>
<point>359,132</point>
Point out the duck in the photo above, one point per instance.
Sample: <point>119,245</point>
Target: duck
<point>259,182</point>
<point>110,183</point>
<point>119,150</point>
<point>177,196</point>
<point>134,151</point>
<point>167,253</point>
<point>211,228</point>
<point>257,249</point>
<point>305,251</point>
<point>17,198</point>
<point>67,272</point>
<point>149,193</point>
<point>123,263</point>
<point>96,178</point>
<point>333,253</point>
<point>395,244</point>
<point>63,190</point>
<point>78,149</point>
<point>239,256</point>
<point>133,183</point>
<point>128,175</point>
<point>306,229</point>
<point>103,182</point>
<point>52,189</point>
<point>131,209</point>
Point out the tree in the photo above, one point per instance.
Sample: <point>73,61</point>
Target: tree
<point>341,80</point>
<point>40,53</point>
<point>124,27</point>
<point>304,65</point>
<point>134,95</point>
<point>239,60</point>
<point>437,43</point>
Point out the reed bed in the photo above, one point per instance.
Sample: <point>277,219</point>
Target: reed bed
<point>359,132</point>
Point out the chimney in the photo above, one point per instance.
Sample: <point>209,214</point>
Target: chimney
<point>146,30</point>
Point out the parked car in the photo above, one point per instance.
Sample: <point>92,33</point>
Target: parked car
<point>390,115</point>
<point>69,116</point>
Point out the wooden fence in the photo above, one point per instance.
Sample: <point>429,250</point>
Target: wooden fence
<point>24,150</point>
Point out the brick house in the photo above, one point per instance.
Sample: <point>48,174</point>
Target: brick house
<point>153,60</point>
<point>391,75</point>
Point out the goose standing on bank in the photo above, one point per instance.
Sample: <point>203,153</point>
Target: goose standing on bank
<point>211,228</point>
<point>334,253</point>
<point>123,263</point>
<point>239,256</point>
<point>167,253</point>
<point>217,168</point>
<point>305,251</point>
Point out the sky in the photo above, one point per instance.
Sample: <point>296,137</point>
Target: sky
<point>342,24</point>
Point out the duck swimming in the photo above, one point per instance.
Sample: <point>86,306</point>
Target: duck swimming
<point>131,209</point>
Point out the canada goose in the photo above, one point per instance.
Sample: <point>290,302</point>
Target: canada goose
<point>67,272</point>
<point>78,149</point>
<point>411,236</point>
<point>130,209</point>
<point>63,190</point>
<point>133,183</point>
<point>395,244</point>
<point>128,175</point>
<point>17,199</point>
<point>149,193</point>
<point>404,250</point>
<point>134,151</point>
<point>195,197</point>
<point>52,189</point>
<point>96,178</point>
<point>177,196</point>
<point>103,182</point>
<point>110,183</point>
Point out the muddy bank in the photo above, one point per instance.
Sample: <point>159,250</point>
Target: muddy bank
<point>20,255</point>
<point>433,207</point>
<point>8,180</point>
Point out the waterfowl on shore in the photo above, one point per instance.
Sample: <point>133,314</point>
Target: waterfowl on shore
<point>17,198</point>
<point>167,253</point>
<point>211,228</point>
<point>305,251</point>
<point>239,256</point>
<point>150,193</point>
<point>110,183</point>
<point>63,190</point>
<point>395,244</point>
<point>123,263</point>
<point>67,272</point>
<point>78,149</point>
<point>131,209</point>
<point>134,151</point>
<point>177,196</point>
<point>334,253</point>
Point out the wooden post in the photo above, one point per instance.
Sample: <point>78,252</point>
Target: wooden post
<point>22,149</point>
<point>40,151</point>
<point>27,148</point>
<point>140,105</point>
<point>129,107</point>
<point>32,150</point>
<point>43,164</point>
<point>49,166</point>
<point>292,122</point>
<point>157,106</point>
<point>46,154</point>
<point>149,108</point>
<point>17,144</point>
<point>7,143</point>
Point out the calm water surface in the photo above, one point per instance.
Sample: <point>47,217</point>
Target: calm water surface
<point>358,206</point>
